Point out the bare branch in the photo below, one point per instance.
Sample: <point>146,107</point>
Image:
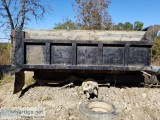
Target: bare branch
<point>23,12</point>
<point>3,24</point>
<point>3,15</point>
<point>16,14</point>
<point>38,8</point>
<point>15,6</point>
<point>9,2</point>
<point>8,13</point>
<point>16,20</point>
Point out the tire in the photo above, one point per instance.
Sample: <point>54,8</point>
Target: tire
<point>97,110</point>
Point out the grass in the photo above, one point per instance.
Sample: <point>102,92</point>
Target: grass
<point>46,98</point>
<point>7,78</point>
<point>5,53</point>
<point>156,52</point>
<point>79,90</point>
<point>29,81</point>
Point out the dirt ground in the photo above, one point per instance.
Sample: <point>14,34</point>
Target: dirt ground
<point>131,103</point>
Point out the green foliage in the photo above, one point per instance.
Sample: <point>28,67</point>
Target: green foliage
<point>68,25</point>
<point>5,53</point>
<point>128,26</point>
<point>109,25</point>
<point>138,25</point>
<point>119,26</point>
<point>156,51</point>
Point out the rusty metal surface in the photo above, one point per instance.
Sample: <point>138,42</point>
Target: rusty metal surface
<point>61,54</point>
<point>113,55</point>
<point>139,55</point>
<point>35,54</point>
<point>87,55</point>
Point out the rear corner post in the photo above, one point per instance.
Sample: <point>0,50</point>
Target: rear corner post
<point>19,81</point>
<point>18,48</point>
<point>18,59</point>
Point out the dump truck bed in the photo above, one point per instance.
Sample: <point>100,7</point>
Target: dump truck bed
<point>82,50</point>
<point>59,52</point>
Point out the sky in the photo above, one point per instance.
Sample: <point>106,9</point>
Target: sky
<point>146,11</point>
<point>123,11</point>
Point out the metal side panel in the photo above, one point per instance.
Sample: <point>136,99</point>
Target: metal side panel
<point>139,55</point>
<point>87,54</point>
<point>61,54</point>
<point>35,54</point>
<point>82,56</point>
<point>113,55</point>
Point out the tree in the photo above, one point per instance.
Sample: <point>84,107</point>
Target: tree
<point>119,26</point>
<point>138,25</point>
<point>15,14</point>
<point>93,14</point>
<point>128,26</point>
<point>68,24</point>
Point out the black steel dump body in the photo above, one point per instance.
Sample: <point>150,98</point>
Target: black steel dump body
<point>46,53</point>
<point>80,50</point>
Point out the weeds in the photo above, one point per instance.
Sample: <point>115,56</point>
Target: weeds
<point>5,53</point>
<point>156,52</point>
<point>6,79</point>
<point>46,98</point>
<point>29,81</point>
<point>79,91</point>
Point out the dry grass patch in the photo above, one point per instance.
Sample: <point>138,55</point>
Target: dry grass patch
<point>6,79</point>
<point>5,53</point>
<point>29,78</point>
